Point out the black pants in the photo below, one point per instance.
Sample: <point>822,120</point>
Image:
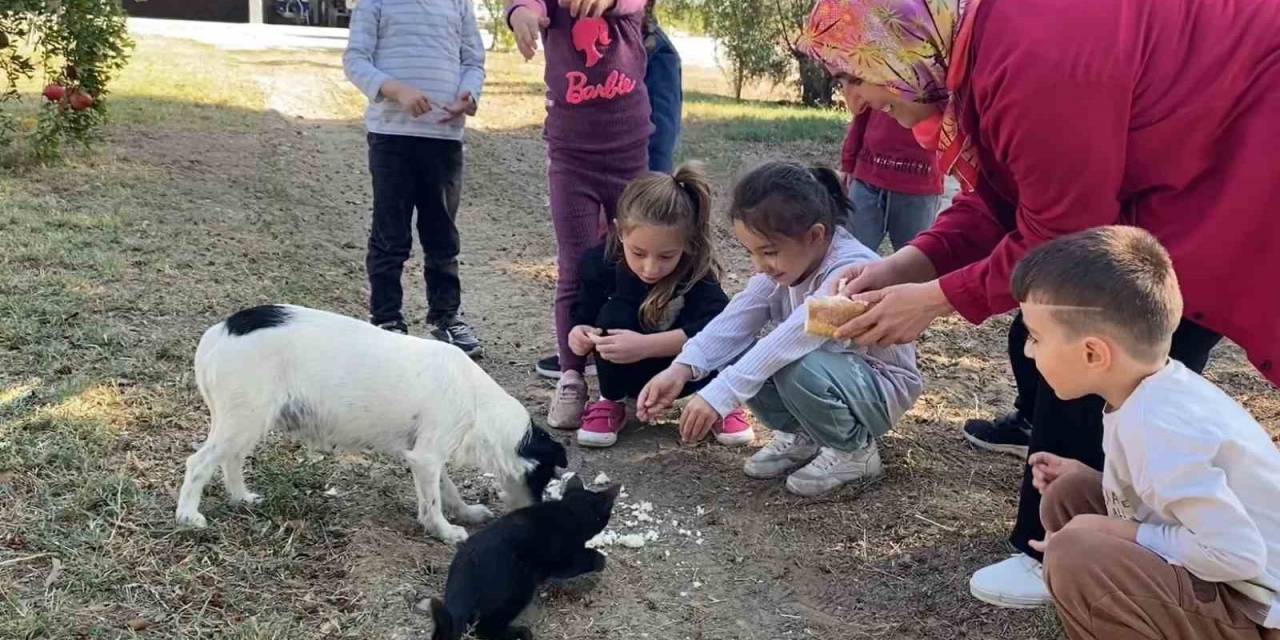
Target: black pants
<point>423,173</point>
<point>621,381</point>
<point>1073,428</point>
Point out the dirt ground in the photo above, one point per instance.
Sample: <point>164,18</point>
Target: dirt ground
<point>196,208</point>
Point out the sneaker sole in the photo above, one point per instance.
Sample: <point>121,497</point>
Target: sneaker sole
<point>1022,451</point>
<point>780,472</point>
<point>596,440</point>
<point>739,439</point>
<point>793,490</point>
<point>1006,602</point>
<point>554,374</point>
<point>566,427</point>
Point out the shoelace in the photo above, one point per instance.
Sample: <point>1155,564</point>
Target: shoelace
<point>825,460</point>
<point>780,446</point>
<point>571,393</point>
<point>459,330</point>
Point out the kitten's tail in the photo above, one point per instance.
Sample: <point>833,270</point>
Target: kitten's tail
<point>446,627</point>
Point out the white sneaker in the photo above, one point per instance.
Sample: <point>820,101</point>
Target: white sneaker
<point>785,452</point>
<point>565,411</point>
<point>1016,582</point>
<point>833,468</point>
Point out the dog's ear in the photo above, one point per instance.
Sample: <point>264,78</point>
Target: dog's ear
<point>574,484</point>
<point>562,456</point>
<point>546,449</point>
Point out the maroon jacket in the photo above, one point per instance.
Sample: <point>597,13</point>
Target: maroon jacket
<point>1164,115</point>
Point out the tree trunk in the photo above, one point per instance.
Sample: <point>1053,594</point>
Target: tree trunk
<point>816,85</point>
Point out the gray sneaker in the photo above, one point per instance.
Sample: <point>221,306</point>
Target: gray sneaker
<point>833,468</point>
<point>785,452</point>
<point>460,335</point>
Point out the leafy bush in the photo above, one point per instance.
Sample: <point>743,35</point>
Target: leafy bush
<point>75,46</point>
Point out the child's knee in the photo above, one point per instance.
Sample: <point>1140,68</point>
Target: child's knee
<point>799,377</point>
<point>1070,561</point>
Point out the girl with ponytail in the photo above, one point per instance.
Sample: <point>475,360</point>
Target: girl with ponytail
<point>649,289</point>
<point>825,400</point>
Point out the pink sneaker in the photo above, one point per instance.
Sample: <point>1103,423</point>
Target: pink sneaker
<point>734,430</point>
<point>601,423</point>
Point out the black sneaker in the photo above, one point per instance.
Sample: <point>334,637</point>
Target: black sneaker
<point>1007,434</point>
<point>395,326</point>
<point>549,367</point>
<point>460,335</point>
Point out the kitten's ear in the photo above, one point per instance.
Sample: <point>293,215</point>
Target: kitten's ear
<point>574,484</point>
<point>611,496</point>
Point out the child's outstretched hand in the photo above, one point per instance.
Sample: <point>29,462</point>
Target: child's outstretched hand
<point>662,391</point>
<point>587,8</point>
<point>1047,467</point>
<point>527,26</point>
<point>621,346</point>
<point>580,339</point>
<point>697,419</point>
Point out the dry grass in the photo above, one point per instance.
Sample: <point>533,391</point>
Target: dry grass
<point>213,194</point>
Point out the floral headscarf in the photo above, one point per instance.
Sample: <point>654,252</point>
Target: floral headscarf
<point>914,48</point>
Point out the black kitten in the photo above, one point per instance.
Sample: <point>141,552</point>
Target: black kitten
<point>496,571</point>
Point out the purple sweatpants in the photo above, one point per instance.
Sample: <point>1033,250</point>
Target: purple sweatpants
<point>584,188</point>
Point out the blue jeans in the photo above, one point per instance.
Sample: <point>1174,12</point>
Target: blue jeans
<point>877,212</point>
<point>666,99</point>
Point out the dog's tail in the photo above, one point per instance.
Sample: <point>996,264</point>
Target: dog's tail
<point>446,626</point>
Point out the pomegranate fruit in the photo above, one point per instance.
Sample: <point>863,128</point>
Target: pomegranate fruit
<point>55,93</point>
<point>80,100</point>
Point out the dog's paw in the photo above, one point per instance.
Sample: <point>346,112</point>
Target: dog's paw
<point>450,534</point>
<point>475,514</point>
<point>248,499</point>
<point>194,520</point>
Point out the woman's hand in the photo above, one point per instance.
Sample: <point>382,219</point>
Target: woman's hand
<point>898,314</point>
<point>662,391</point>
<point>909,264</point>
<point>697,419</point>
<point>580,339</point>
<point>621,346</point>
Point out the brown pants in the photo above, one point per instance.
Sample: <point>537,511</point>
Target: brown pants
<point>1111,589</point>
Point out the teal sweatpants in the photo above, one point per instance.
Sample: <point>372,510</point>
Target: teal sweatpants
<point>833,398</point>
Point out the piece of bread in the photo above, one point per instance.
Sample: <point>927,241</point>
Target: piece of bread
<point>828,313</point>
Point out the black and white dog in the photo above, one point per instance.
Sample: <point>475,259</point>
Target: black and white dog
<point>340,383</point>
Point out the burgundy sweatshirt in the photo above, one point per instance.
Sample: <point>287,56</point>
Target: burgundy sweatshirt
<point>596,97</point>
<point>885,155</point>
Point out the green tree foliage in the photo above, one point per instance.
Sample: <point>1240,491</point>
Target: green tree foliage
<point>72,46</point>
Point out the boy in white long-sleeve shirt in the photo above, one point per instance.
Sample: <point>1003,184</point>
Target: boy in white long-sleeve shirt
<point>1179,535</point>
<point>421,64</point>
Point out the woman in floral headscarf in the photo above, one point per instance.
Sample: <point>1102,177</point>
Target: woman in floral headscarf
<point>1061,115</point>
